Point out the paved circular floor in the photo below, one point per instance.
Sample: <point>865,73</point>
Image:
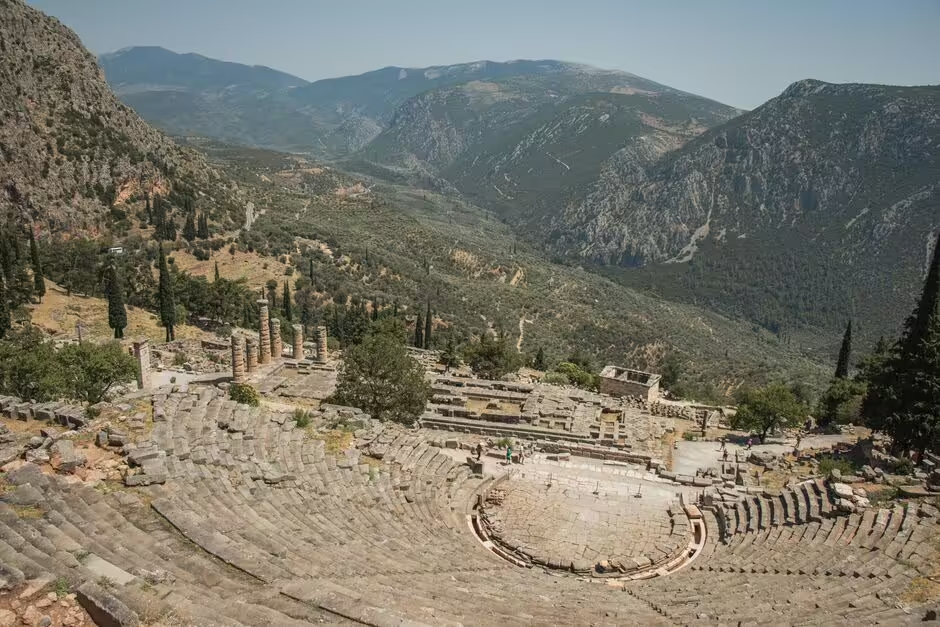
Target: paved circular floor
<point>566,516</point>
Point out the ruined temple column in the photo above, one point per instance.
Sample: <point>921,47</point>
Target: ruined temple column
<point>238,359</point>
<point>298,342</point>
<point>264,333</point>
<point>321,344</point>
<point>251,354</point>
<point>277,346</point>
<point>142,353</point>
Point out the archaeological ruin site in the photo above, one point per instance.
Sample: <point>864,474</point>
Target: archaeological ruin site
<point>178,506</point>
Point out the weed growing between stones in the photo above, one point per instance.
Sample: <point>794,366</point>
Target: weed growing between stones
<point>245,394</point>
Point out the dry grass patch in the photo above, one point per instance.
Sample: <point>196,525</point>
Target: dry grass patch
<point>926,589</point>
<point>254,269</point>
<point>335,440</point>
<point>59,314</point>
<point>28,511</point>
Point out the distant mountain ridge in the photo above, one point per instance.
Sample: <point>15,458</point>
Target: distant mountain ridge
<point>142,67</point>
<point>188,94</point>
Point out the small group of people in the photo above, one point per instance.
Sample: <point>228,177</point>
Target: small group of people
<point>523,451</point>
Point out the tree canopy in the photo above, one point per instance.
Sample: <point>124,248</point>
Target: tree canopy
<point>768,409</point>
<point>903,398</point>
<point>379,377</point>
<point>491,358</point>
<point>90,371</point>
<point>31,368</point>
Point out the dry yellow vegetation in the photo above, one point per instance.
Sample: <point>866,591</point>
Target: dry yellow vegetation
<point>59,314</point>
<point>242,265</point>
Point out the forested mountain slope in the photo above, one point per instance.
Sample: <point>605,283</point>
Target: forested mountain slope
<point>820,205</point>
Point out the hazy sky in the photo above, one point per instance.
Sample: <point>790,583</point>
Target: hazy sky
<point>740,52</point>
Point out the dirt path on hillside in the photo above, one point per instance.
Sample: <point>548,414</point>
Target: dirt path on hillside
<point>522,322</point>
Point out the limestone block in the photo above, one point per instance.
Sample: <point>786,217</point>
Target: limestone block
<point>65,457</point>
<point>842,490</point>
<point>105,609</point>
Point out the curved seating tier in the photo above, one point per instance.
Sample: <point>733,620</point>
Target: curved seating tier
<point>841,569</point>
<point>257,524</point>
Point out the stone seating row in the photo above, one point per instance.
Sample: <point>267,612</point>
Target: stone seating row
<point>76,534</point>
<point>392,535</point>
<point>806,502</point>
<point>841,570</point>
<point>67,415</point>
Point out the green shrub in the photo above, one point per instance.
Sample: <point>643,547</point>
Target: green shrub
<point>904,466</point>
<point>302,418</point>
<point>577,375</point>
<point>689,436</point>
<point>504,442</point>
<point>61,587</point>
<point>828,464</point>
<point>556,378</point>
<point>244,394</point>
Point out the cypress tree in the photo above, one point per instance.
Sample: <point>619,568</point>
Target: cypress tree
<point>148,212</point>
<point>287,304</point>
<point>427,327</point>
<point>903,397</point>
<point>918,326</point>
<point>203,229</point>
<point>165,295</point>
<point>216,270</point>
<point>539,362</point>
<point>158,217</point>
<point>7,261</point>
<point>169,229</point>
<point>272,294</point>
<point>189,228</point>
<point>39,282</point>
<point>5,322</point>
<point>845,353</point>
<point>419,332</point>
<point>117,313</point>
<point>311,270</point>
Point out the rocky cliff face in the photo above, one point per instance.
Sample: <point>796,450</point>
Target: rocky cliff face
<point>852,163</point>
<point>69,150</point>
<point>843,177</point>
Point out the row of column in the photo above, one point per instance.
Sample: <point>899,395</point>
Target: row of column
<point>248,353</point>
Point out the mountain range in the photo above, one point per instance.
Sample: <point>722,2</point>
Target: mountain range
<point>816,207</point>
<point>77,163</point>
